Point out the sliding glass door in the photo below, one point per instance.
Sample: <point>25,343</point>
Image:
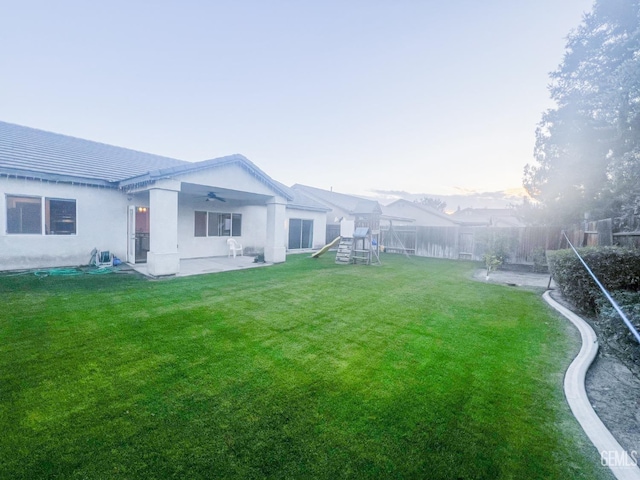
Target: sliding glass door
<point>300,233</point>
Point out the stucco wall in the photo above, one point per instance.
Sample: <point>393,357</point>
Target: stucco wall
<point>101,222</point>
<point>254,228</point>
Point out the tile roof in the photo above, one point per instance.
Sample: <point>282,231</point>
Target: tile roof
<point>26,151</point>
<point>424,208</point>
<point>300,200</point>
<point>343,201</point>
<point>31,150</point>
<point>504,217</point>
<point>348,203</point>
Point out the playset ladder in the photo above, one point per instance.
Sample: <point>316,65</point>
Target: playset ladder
<point>345,251</point>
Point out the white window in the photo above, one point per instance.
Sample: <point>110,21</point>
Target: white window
<point>24,215</point>
<point>215,224</point>
<point>200,229</point>
<point>60,216</point>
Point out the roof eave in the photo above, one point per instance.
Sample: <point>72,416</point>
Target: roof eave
<point>54,177</point>
<point>308,208</point>
<point>170,172</point>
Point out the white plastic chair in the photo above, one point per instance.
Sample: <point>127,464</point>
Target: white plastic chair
<point>234,247</point>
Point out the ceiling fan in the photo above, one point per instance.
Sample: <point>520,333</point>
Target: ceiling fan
<point>212,196</point>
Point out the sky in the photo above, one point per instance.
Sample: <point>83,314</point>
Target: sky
<point>435,97</point>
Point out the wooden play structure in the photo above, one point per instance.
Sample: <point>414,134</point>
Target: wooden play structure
<point>362,246</point>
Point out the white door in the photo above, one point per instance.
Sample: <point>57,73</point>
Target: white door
<point>131,235</point>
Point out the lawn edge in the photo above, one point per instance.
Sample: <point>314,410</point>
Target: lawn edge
<point>576,395</point>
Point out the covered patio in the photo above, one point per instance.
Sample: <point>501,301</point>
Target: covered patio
<point>189,211</point>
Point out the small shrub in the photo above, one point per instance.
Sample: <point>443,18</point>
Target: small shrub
<point>616,268</point>
<point>492,262</point>
<point>498,248</point>
<point>540,264</point>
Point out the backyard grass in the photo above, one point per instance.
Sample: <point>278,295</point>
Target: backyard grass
<point>300,370</point>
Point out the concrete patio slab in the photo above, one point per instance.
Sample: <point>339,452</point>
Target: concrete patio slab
<point>201,266</point>
<point>515,279</point>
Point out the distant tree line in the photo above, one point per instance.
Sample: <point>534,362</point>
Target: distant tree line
<point>587,151</point>
<point>434,203</point>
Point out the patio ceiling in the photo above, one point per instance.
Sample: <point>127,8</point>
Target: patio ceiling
<point>235,196</point>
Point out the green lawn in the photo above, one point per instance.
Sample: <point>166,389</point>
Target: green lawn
<point>300,370</point>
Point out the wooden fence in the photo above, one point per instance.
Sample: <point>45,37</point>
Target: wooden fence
<point>471,243</point>
<point>591,234</point>
<point>524,243</point>
<point>627,239</point>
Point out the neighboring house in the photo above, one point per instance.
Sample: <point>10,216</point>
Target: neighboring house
<point>343,206</point>
<point>340,205</point>
<point>61,197</point>
<point>422,215</point>
<point>306,223</point>
<point>488,217</point>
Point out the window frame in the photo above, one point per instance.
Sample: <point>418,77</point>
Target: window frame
<point>15,199</point>
<point>302,228</point>
<point>48,218</point>
<point>217,224</point>
<point>200,230</point>
<point>44,216</point>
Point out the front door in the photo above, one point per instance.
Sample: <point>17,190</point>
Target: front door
<point>131,235</point>
<point>137,234</point>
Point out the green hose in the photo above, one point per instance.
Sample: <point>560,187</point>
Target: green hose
<point>69,272</point>
<point>57,272</point>
<point>102,271</point>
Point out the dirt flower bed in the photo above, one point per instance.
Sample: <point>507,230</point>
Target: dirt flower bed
<point>615,337</point>
<point>613,380</point>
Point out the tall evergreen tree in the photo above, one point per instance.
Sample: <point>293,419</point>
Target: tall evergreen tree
<point>588,147</point>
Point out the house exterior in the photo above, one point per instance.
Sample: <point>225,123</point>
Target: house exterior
<point>422,215</point>
<point>61,197</point>
<point>340,206</point>
<point>488,217</point>
<point>346,207</point>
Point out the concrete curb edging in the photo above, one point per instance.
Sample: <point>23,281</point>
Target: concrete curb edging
<point>622,465</point>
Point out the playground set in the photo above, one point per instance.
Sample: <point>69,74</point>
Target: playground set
<point>359,240</point>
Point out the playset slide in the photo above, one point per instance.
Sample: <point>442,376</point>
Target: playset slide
<point>329,245</point>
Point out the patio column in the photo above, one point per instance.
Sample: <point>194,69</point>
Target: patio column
<point>275,250</point>
<point>163,258</point>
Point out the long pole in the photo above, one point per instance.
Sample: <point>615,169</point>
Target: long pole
<point>606,293</point>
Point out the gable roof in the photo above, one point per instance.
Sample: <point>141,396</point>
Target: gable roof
<point>423,208</point>
<point>191,167</point>
<point>302,201</point>
<point>367,207</point>
<point>497,217</point>
<point>29,150</point>
<point>349,203</point>
<point>32,153</point>
<point>342,201</point>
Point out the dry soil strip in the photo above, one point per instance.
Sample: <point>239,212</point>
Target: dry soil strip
<point>612,454</point>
